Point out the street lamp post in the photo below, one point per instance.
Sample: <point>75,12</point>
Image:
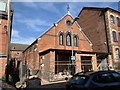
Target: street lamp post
<point>72,40</point>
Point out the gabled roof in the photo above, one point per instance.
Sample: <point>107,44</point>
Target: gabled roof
<point>18,47</point>
<point>67,14</point>
<point>99,8</point>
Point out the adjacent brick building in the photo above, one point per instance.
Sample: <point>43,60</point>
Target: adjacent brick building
<point>4,36</point>
<point>17,49</point>
<point>102,27</point>
<point>16,52</point>
<point>52,51</point>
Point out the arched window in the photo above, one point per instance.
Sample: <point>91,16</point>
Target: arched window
<point>117,53</point>
<point>61,39</point>
<point>118,21</point>
<point>114,36</point>
<point>75,40</point>
<point>68,40</point>
<point>112,19</point>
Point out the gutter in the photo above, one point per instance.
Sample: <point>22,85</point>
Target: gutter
<point>108,50</point>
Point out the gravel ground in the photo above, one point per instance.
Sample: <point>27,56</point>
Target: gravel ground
<point>6,86</point>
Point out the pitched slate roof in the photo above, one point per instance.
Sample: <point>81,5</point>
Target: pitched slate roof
<point>19,47</point>
<point>99,8</point>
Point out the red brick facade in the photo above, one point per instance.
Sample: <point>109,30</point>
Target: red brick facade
<point>50,56</point>
<point>3,35</point>
<point>4,40</point>
<point>114,41</point>
<point>3,46</point>
<point>3,61</point>
<point>96,24</point>
<point>92,23</point>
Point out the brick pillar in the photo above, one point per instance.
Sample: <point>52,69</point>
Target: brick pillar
<point>94,63</point>
<point>52,61</point>
<point>78,63</point>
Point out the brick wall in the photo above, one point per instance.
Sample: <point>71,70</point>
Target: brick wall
<point>3,37</point>
<point>114,44</point>
<point>50,40</point>
<point>92,23</point>
<point>3,47</point>
<point>16,54</point>
<point>2,66</point>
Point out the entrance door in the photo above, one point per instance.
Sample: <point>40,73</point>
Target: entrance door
<point>86,63</point>
<point>63,62</point>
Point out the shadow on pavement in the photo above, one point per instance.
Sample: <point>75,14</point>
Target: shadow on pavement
<point>53,86</point>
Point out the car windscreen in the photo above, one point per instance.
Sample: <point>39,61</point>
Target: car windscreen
<point>79,79</point>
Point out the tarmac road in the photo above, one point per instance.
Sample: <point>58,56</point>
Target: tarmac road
<point>54,86</point>
<point>46,86</point>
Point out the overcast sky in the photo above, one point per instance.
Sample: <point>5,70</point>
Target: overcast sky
<point>31,19</point>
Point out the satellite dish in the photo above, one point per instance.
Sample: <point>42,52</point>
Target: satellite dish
<point>2,6</point>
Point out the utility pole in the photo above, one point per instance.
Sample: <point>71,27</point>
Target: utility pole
<point>8,33</point>
<point>72,40</point>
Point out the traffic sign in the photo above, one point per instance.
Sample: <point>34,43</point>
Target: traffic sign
<point>72,57</point>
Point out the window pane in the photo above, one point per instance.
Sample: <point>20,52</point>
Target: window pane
<point>103,78</point>
<point>68,22</point>
<point>68,41</point>
<point>61,39</point>
<point>114,36</point>
<point>119,36</point>
<point>81,80</point>
<point>2,6</point>
<point>118,21</point>
<point>117,76</point>
<point>112,19</point>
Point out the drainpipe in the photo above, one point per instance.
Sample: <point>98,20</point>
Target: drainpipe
<point>8,32</point>
<point>108,51</point>
<point>107,34</point>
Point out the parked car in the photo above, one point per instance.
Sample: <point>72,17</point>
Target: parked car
<point>118,71</point>
<point>100,80</point>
